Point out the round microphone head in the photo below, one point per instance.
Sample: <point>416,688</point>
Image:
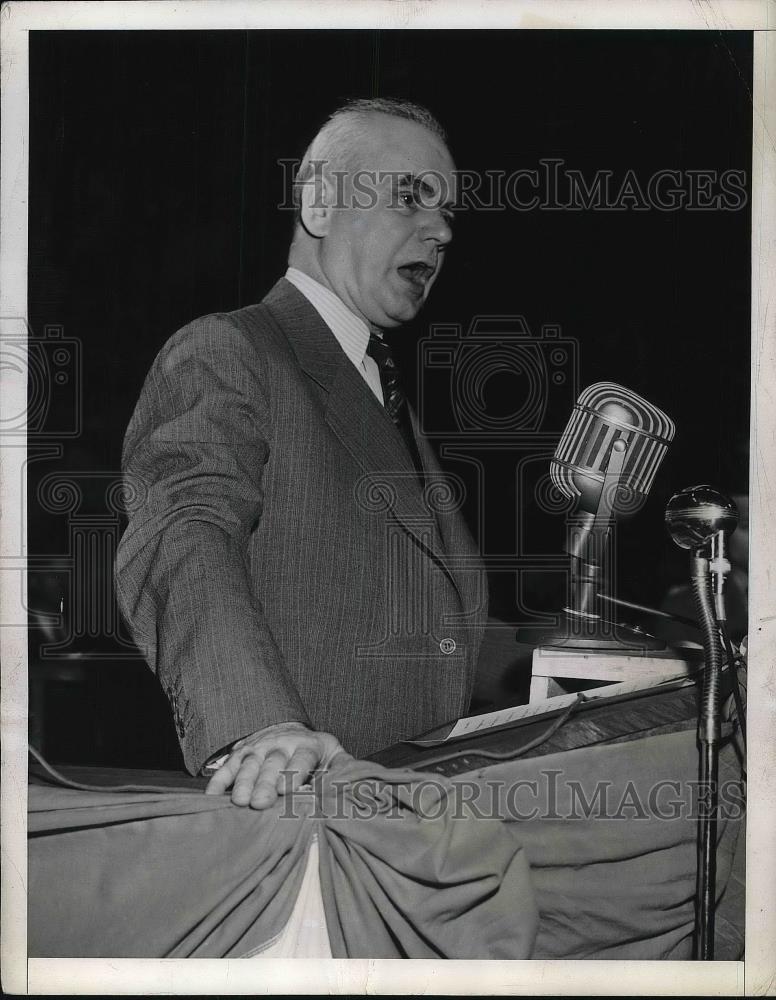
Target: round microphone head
<point>609,419</point>
<point>696,514</point>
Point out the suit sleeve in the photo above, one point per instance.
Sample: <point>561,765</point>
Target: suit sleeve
<point>193,460</point>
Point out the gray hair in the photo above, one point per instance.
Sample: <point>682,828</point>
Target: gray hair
<point>336,142</point>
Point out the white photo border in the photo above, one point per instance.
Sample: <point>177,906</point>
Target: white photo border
<point>755,976</point>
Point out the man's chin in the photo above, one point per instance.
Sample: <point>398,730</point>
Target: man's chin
<point>403,312</point>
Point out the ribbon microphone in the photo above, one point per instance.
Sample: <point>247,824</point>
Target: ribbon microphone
<point>605,463</point>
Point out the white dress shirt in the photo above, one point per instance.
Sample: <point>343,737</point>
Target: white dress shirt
<point>351,332</point>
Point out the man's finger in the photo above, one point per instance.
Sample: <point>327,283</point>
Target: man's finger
<point>339,759</point>
<point>244,783</point>
<point>303,762</point>
<point>225,775</point>
<point>265,785</point>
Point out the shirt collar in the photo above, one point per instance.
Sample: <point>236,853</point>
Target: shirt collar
<point>351,332</point>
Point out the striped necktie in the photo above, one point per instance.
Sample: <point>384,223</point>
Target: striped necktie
<point>393,395</point>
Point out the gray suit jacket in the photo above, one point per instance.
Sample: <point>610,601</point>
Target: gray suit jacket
<point>281,559</point>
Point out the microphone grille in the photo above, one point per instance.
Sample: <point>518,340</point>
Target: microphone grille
<point>603,397</point>
<point>604,413</point>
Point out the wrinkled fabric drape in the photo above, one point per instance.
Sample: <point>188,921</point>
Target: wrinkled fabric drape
<point>432,878</point>
<point>584,854</point>
<point>182,874</point>
<point>612,846</point>
<point>168,875</point>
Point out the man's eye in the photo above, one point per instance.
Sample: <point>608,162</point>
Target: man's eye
<point>407,198</point>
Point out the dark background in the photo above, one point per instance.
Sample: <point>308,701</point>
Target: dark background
<point>154,186</point>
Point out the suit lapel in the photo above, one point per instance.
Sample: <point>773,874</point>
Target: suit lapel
<point>451,523</point>
<point>357,418</point>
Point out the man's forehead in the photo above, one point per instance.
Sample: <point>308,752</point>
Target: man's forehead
<point>400,145</point>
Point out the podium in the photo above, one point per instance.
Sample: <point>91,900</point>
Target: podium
<point>551,666</point>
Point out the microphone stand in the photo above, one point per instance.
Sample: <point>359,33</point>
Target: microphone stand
<point>697,519</point>
<point>709,734</point>
<point>588,543</point>
<point>588,534</point>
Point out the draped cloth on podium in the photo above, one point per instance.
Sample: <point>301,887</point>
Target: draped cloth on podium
<point>514,861</point>
<point>178,874</point>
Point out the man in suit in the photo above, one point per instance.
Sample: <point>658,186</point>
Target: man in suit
<point>295,569</point>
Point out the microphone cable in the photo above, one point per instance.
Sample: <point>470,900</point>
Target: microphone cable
<point>646,610</point>
<point>59,779</point>
<point>734,660</point>
<point>505,755</point>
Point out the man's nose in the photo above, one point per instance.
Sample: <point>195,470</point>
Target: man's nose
<point>436,227</point>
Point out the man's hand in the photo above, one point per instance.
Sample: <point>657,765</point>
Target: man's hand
<point>272,762</point>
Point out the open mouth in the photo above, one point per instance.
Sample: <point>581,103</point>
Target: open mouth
<point>418,273</point>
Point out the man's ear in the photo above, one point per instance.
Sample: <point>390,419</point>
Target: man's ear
<point>317,204</point>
